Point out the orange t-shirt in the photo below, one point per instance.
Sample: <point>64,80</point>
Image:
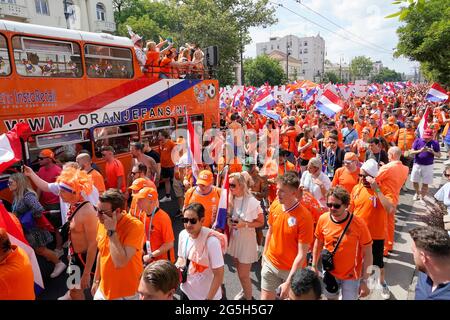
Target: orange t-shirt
<point>389,131</point>
<point>166,154</point>
<point>288,141</point>
<point>405,138</point>
<point>234,166</point>
<point>348,259</point>
<point>165,66</point>
<point>16,276</point>
<point>283,168</point>
<point>359,128</point>
<point>210,201</point>
<point>98,181</point>
<point>161,232</point>
<point>152,63</point>
<point>364,204</point>
<point>392,176</point>
<point>288,230</point>
<point>307,153</point>
<point>114,170</point>
<point>130,232</point>
<point>345,178</point>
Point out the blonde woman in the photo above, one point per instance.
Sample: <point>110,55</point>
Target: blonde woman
<point>25,201</point>
<point>245,215</point>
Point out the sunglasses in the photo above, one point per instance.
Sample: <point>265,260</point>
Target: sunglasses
<point>334,205</point>
<point>332,142</point>
<point>232,185</point>
<point>364,176</point>
<point>445,175</point>
<point>191,220</point>
<point>42,158</point>
<point>348,161</point>
<point>104,211</point>
<point>133,173</point>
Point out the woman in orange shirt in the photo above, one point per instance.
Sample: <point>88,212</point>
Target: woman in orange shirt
<point>308,148</point>
<point>361,145</point>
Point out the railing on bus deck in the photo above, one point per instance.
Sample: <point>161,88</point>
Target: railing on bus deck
<point>175,73</point>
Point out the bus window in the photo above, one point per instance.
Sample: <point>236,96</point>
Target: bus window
<point>196,120</point>
<point>47,58</point>
<point>108,62</point>
<point>65,145</point>
<point>119,137</point>
<point>151,129</point>
<point>5,66</point>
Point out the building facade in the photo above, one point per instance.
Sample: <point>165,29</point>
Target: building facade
<point>342,70</point>
<point>85,15</point>
<point>294,65</point>
<point>309,50</point>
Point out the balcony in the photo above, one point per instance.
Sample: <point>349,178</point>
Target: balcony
<point>104,26</point>
<point>13,12</point>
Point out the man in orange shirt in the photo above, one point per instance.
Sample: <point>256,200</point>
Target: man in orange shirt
<point>373,205</point>
<point>391,178</point>
<point>16,273</point>
<point>287,241</point>
<point>135,187</point>
<point>84,160</point>
<point>167,165</point>
<point>158,230</point>
<point>120,238</point>
<point>389,130</point>
<point>348,175</point>
<point>114,171</point>
<point>405,138</point>
<point>206,194</point>
<point>353,256</point>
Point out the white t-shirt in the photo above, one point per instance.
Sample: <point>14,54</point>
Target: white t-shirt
<point>443,195</point>
<point>92,198</point>
<point>307,182</point>
<point>197,285</point>
<point>247,210</point>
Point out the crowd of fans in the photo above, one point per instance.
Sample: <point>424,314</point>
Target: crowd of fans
<point>326,189</point>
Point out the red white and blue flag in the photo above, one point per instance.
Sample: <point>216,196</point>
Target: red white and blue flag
<point>436,94</point>
<point>423,125</point>
<point>329,104</point>
<point>16,237</point>
<point>194,151</point>
<point>310,95</point>
<point>221,217</point>
<point>263,105</point>
<point>10,146</point>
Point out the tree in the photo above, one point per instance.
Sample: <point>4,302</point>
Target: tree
<point>263,69</point>
<point>360,67</point>
<point>387,75</point>
<point>332,77</point>
<point>425,36</point>
<point>223,23</point>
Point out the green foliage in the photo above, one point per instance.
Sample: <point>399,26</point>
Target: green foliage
<point>331,77</point>
<point>263,69</point>
<point>425,37</point>
<point>387,75</point>
<point>360,67</point>
<point>224,23</point>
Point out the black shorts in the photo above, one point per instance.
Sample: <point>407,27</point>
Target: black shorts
<point>79,260</point>
<point>54,217</point>
<point>167,173</point>
<point>377,252</point>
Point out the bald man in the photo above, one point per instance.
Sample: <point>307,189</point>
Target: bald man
<point>392,177</point>
<point>84,160</point>
<point>16,273</point>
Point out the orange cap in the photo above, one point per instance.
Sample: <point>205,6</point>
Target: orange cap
<point>374,116</point>
<point>140,183</point>
<point>350,156</point>
<point>147,192</point>
<point>205,178</point>
<point>48,153</point>
<point>391,120</point>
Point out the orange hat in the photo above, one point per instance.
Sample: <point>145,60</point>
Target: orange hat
<point>147,192</point>
<point>140,183</point>
<point>48,153</point>
<point>205,178</point>
<point>391,120</point>
<point>374,116</point>
<point>350,156</point>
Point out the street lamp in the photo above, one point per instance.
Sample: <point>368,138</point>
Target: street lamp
<point>66,13</point>
<point>288,53</point>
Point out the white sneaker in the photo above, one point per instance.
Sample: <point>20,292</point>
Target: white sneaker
<point>59,268</point>
<point>59,252</point>
<point>239,296</point>
<point>385,292</point>
<point>66,296</point>
<point>416,197</point>
<point>166,199</point>
<point>404,188</point>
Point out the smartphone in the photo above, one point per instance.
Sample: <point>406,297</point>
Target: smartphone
<point>22,166</point>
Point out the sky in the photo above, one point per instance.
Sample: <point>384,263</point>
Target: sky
<point>362,21</point>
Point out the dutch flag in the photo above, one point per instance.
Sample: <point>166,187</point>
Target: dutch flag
<point>263,105</point>
<point>309,96</point>
<point>329,104</point>
<point>221,217</point>
<point>436,94</point>
<point>10,146</point>
<point>194,151</point>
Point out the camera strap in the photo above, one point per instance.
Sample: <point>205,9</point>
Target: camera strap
<point>343,233</point>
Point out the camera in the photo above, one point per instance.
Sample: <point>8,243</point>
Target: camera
<point>184,271</point>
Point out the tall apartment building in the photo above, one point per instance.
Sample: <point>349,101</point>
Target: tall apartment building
<point>85,15</point>
<point>309,50</point>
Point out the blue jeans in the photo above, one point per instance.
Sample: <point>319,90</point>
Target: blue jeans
<point>348,288</point>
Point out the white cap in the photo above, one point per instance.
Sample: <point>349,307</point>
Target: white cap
<point>370,167</point>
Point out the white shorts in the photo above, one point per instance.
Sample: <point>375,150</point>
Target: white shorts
<point>422,173</point>
<point>100,296</point>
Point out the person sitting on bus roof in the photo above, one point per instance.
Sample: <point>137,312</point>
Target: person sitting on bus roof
<point>154,54</point>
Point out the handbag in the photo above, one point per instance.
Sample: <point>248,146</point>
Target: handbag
<point>327,256</point>
<point>65,228</point>
<point>447,222</point>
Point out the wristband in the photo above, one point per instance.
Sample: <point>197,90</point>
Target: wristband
<point>377,190</point>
